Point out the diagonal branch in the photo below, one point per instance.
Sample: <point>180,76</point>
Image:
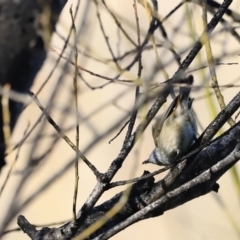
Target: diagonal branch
<point>146,196</point>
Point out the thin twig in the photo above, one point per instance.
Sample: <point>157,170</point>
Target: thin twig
<point>211,65</point>
<point>6,119</point>
<point>15,160</point>
<point>6,129</point>
<point>91,72</point>
<point>75,86</point>
<point>119,132</point>
<point>135,111</point>
<point>91,87</point>
<point>119,24</point>
<point>66,41</point>
<point>67,140</point>
<point>106,37</point>
<point>134,51</point>
<point>173,10</point>
<point>201,41</point>
<point>124,182</point>
<point>61,54</point>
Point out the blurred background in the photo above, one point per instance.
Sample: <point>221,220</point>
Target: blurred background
<point>214,216</point>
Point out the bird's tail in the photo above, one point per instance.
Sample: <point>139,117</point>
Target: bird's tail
<point>185,90</point>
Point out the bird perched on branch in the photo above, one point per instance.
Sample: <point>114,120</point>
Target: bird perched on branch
<point>176,130</point>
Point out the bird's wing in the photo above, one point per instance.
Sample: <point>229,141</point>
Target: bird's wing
<point>156,129</point>
<point>157,126</point>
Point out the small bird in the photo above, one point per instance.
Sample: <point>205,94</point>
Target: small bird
<point>176,130</point>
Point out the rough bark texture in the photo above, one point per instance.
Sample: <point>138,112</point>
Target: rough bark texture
<point>189,180</point>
